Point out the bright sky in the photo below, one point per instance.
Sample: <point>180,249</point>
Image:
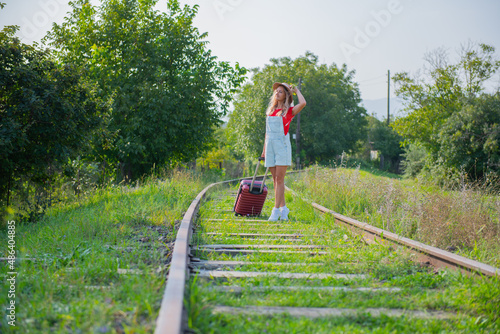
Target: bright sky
<point>370,36</point>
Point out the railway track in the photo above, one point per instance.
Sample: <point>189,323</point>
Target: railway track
<point>317,272</point>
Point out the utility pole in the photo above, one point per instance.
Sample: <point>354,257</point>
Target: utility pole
<point>388,95</point>
<point>297,134</point>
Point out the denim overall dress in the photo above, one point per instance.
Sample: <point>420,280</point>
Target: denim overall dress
<point>278,148</point>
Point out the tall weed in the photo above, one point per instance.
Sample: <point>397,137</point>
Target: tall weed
<point>466,220</point>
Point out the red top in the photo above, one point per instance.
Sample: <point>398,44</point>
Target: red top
<point>286,120</point>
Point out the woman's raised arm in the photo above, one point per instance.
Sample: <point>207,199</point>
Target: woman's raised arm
<point>302,102</point>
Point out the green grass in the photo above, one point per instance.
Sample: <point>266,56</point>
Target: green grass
<point>74,285</point>
<point>378,172</point>
<point>471,299</point>
<point>466,221</point>
<point>362,323</point>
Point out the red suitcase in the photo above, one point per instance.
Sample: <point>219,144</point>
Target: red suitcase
<point>251,196</point>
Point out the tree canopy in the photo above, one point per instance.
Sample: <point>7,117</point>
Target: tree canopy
<point>48,111</point>
<point>386,140</point>
<point>450,114</point>
<point>470,138</point>
<point>332,122</point>
<point>166,89</point>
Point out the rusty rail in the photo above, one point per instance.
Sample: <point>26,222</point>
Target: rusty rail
<point>435,256</point>
<point>171,318</point>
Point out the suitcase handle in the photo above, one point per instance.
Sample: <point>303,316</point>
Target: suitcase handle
<point>255,175</point>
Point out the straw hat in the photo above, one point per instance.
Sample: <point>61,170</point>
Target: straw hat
<point>287,87</point>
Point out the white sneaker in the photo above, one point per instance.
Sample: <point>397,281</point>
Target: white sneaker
<point>284,213</point>
<point>275,215</point>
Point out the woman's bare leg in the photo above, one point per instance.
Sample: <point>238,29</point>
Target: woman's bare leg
<point>279,185</point>
<point>273,173</point>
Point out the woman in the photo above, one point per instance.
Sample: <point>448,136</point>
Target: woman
<point>277,149</point>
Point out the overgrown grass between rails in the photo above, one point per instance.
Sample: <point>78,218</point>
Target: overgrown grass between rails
<point>409,299</point>
<point>73,286</point>
<point>466,221</point>
<point>360,324</point>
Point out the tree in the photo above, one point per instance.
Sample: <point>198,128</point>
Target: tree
<point>166,89</point>
<point>385,140</point>
<point>332,122</point>
<point>47,111</point>
<point>470,138</point>
<point>440,106</point>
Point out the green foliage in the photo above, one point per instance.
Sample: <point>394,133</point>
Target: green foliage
<point>221,161</point>
<point>81,175</point>
<point>385,140</point>
<point>74,285</point>
<point>470,138</point>
<point>48,112</point>
<point>330,124</point>
<point>449,115</point>
<point>167,90</point>
<point>414,160</point>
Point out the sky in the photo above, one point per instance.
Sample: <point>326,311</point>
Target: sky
<point>369,36</point>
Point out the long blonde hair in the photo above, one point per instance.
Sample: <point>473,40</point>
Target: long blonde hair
<point>273,103</point>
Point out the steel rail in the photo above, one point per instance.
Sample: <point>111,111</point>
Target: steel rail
<point>435,256</point>
<point>172,317</point>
